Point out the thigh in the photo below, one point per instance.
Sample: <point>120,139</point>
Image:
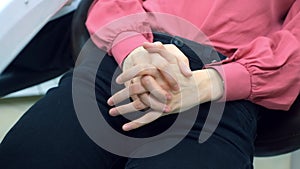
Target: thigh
<point>231,146</point>
<point>49,135</point>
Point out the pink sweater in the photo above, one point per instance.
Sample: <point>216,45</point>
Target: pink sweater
<point>261,39</point>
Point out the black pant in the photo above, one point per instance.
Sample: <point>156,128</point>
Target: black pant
<point>49,135</point>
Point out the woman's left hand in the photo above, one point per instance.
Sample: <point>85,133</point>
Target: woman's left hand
<point>204,85</point>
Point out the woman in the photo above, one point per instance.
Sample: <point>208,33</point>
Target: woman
<point>261,41</point>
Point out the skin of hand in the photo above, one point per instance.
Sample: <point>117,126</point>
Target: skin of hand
<point>160,87</point>
<point>204,85</point>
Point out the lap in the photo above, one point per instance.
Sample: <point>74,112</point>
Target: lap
<point>49,135</point>
<point>231,145</point>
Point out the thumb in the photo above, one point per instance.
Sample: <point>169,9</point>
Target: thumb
<point>157,44</point>
<point>184,68</point>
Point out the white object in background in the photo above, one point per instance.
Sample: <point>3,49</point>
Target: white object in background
<point>37,90</point>
<point>67,9</point>
<point>20,20</point>
<point>295,160</point>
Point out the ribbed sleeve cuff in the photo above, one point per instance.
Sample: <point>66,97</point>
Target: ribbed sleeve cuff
<point>237,81</point>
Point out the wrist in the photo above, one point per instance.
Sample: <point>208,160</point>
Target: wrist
<point>217,84</point>
<point>125,63</point>
<point>210,85</point>
<point>128,61</point>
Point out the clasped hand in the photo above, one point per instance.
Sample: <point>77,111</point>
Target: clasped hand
<point>158,77</point>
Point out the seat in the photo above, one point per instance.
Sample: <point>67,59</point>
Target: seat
<point>32,65</point>
<point>278,132</point>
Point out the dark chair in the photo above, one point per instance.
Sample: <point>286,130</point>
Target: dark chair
<point>46,56</point>
<point>278,131</point>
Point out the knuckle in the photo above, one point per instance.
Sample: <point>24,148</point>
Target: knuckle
<point>159,61</point>
<point>146,80</point>
<point>145,99</point>
<point>164,64</point>
<point>133,89</point>
<point>138,105</point>
<point>171,46</point>
<point>184,59</point>
<point>154,71</point>
<point>146,69</point>
<point>134,98</point>
<point>165,86</point>
<point>162,67</point>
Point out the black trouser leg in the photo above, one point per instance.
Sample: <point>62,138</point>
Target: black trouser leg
<point>49,135</point>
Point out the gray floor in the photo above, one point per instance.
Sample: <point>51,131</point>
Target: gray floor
<point>11,109</point>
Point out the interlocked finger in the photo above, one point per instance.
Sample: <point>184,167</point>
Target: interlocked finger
<point>153,103</point>
<point>131,90</point>
<point>146,119</point>
<point>134,106</point>
<point>138,70</point>
<point>170,78</point>
<point>165,68</point>
<point>151,85</point>
<point>152,48</point>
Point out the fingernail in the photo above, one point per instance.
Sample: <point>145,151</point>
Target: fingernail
<point>126,127</point>
<point>167,109</point>
<point>113,112</point>
<point>169,96</point>
<point>157,43</point>
<point>110,102</point>
<point>119,80</point>
<point>176,87</point>
<point>188,70</point>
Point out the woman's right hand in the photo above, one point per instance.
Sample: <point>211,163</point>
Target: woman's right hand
<point>204,85</point>
<point>160,83</point>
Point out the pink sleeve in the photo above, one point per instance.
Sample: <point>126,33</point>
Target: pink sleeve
<point>110,29</point>
<point>267,71</point>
